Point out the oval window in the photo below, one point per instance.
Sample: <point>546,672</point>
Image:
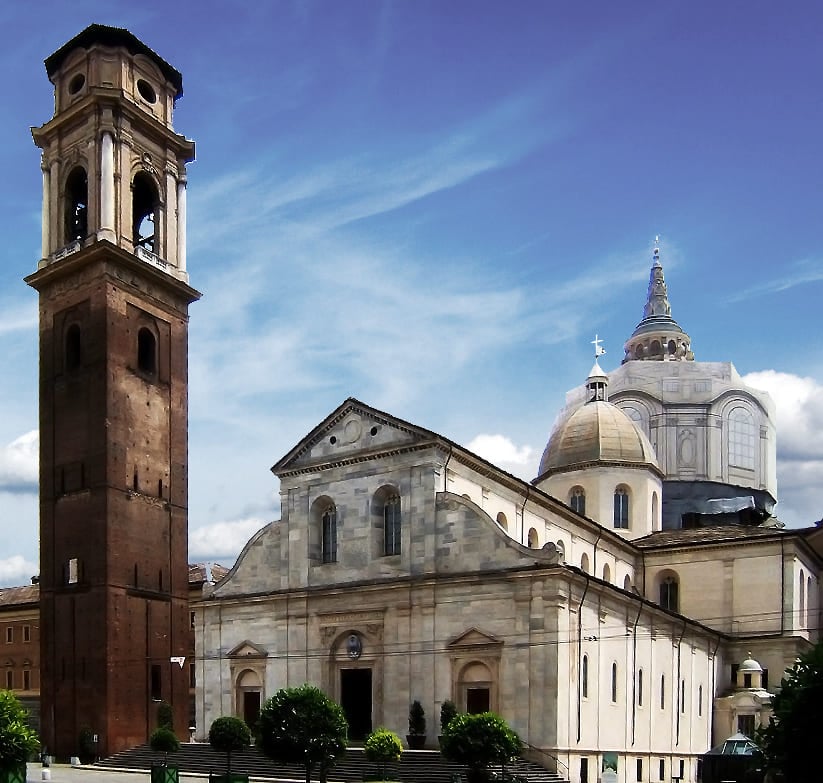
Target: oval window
<point>146,91</point>
<point>76,83</point>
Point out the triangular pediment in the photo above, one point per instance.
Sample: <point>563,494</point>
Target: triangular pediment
<point>354,431</point>
<point>247,649</point>
<point>474,637</point>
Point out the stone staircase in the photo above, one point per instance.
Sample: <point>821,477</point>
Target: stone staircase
<point>415,766</point>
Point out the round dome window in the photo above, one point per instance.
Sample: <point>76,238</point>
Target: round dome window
<point>146,91</point>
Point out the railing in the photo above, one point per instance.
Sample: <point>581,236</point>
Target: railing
<point>546,759</point>
<point>150,258</point>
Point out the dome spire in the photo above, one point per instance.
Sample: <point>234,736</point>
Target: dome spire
<point>658,337</point>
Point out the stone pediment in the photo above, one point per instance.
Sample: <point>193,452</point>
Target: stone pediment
<point>473,639</point>
<point>352,432</point>
<point>247,649</point>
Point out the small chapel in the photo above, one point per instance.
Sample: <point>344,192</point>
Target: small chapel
<point>634,605</point>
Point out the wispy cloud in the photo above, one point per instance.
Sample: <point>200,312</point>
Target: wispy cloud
<point>222,541</point>
<point>798,273</point>
<point>19,464</point>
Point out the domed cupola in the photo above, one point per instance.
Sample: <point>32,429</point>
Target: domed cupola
<point>600,463</point>
<point>658,337</point>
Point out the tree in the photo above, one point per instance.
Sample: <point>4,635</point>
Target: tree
<point>383,746</point>
<point>17,739</point>
<point>227,735</point>
<point>789,742</point>
<point>303,726</point>
<point>448,710</point>
<point>477,741</point>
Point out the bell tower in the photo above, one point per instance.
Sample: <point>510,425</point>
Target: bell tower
<point>113,300</point>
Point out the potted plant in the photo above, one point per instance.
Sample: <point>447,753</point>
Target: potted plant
<point>448,710</point>
<point>17,739</point>
<point>382,746</point>
<point>479,741</point>
<point>416,738</point>
<point>228,735</point>
<point>163,740</point>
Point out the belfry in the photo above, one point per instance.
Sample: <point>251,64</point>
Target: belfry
<point>114,296</point>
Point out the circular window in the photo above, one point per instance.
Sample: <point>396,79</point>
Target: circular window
<point>76,83</point>
<point>146,91</point>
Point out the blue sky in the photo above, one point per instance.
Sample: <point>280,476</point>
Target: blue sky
<point>433,207</point>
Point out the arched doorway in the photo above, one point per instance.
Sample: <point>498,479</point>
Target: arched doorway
<point>249,696</point>
<point>475,687</point>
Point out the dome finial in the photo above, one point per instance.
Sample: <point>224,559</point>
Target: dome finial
<point>597,381</point>
<point>599,350</point>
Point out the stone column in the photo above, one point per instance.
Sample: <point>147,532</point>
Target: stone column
<point>107,229</point>
<point>45,233</point>
<point>181,225</point>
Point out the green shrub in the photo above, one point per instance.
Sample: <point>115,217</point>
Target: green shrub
<point>383,746</point>
<point>478,741</point>
<point>165,716</point>
<point>228,735</point>
<point>417,718</point>
<point>164,740</point>
<point>17,739</point>
<point>448,710</point>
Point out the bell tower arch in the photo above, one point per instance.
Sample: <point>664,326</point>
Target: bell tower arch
<point>114,296</point>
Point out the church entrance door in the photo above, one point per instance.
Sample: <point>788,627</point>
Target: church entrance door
<point>251,707</point>
<point>477,700</point>
<point>356,701</point>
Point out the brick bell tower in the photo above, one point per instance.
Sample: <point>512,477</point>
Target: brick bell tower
<point>114,299</point>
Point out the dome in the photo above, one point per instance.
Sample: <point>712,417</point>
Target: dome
<point>597,432</point>
<point>750,665</point>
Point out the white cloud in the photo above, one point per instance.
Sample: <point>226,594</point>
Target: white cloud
<point>222,541</point>
<point>16,570</point>
<point>503,452</point>
<point>799,420</point>
<point>19,464</point>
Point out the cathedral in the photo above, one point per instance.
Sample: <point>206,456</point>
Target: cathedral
<point>623,611</point>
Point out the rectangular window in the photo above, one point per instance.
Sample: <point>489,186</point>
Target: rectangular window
<point>584,770</point>
<point>745,725</point>
<point>662,772</point>
<point>192,676</point>
<point>662,692</point>
<point>682,769</point>
<point>26,633</point>
<point>639,776</point>
<point>191,620</point>
<point>72,571</point>
<point>683,697</point>
<point>156,683</point>
<point>9,679</point>
<point>9,634</point>
<point>26,680</point>
<point>329,536</point>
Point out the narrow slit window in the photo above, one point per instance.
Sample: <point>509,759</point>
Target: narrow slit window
<point>77,205</point>
<point>391,526</point>
<point>329,535</point>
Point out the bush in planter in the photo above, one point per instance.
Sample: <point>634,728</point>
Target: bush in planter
<point>303,726</point>
<point>17,739</point>
<point>382,746</point>
<point>228,735</point>
<point>416,737</point>
<point>478,741</point>
<point>163,740</point>
<point>448,710</point>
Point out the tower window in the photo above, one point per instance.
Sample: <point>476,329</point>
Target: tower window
<point>391,526</point>
<point>533,542</point>
<point>77,205</point>
<point>74,354</point>
<point>146,351</point>
<point>144,212</point>
<point>669,594</point>
<point>73,571</point>
<point>329,535</point>
<point>621,508</point>
<point>741,438</point>
<point>577,500</point>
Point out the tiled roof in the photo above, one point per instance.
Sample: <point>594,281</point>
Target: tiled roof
<point>198,572</point>
<point>18,596</point>
<point>716,534</point>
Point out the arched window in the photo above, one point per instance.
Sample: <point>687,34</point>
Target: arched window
<point>584,562</point>
<point>655,512</point>
<point>802,593</point>
<point>614,682</point>
<point>621,507</point>
<point>146,351</point>
<point>561,550</point>
<point>328,542</point>
<point>77,205</point>
<point>741,438</point>
<point>533,544</point>
<point>577,500</point>
<point>809,595</point>
<point>669,589</point>
<point>662,691</point>
<point>639,687</point>
<point>145,202</point>
<point>627,582</point>
<point>607,573</point>
<point>391,525</point>
<point>74,353</point>
<point>700,701</point>
<point>502,521</point>
<point>584,677</point>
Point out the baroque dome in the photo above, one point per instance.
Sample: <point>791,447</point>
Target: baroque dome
<point>595,433</point>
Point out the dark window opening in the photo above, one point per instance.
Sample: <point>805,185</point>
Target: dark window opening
<point>668,594</point>
<point>77,203</point>
<point>391,526</point>
<point>192,676</point>
<point>144,210</point>
<point>160,580</point>
<point>747,681</point>
<point>156,683</point>
<point>9,679</point>
<point>134,482</point>
<point>640,688</point>
<point>621,508</point>
<point>639,776</point>
<point>584,770</point>
<point>74,352</point>
<point>662,774</point>
<point>614,682</point>
<point>146,352</point>
<point>578,500</point>
<point>160,488</point>
<point>26,680</point>
<point>329,535</point>
<point>584,677</point>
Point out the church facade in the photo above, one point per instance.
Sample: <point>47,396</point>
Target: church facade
<point>404,567</point>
